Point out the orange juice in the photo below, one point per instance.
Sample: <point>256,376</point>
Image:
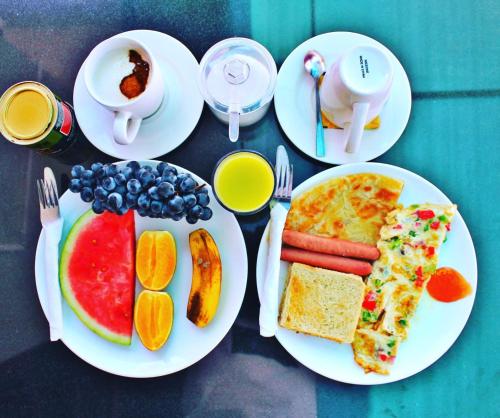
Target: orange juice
<point>244,181</point>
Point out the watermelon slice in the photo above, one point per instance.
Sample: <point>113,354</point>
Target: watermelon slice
<point>97,273</point>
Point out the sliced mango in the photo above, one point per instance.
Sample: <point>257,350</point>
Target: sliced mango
<point>206,280</point>
<point>153,318</point>
<point>156,259</point>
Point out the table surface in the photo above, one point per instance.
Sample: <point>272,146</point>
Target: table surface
<point>451,53</point>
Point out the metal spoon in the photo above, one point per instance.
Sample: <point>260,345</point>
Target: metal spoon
<point>315,66</point>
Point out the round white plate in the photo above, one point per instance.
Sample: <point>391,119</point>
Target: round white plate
<point>435,326</point>
<point>170,125</point>
<point>295,105</point>
<point>187,343</point>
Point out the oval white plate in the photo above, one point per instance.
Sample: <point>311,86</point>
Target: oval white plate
<point>187,343</point>
<point>170,126</point>
<point>435,326</point>
<point>294,102</point>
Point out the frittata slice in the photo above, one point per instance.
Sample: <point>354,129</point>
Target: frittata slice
<point>409,246</point>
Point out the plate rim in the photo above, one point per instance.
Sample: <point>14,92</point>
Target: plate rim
<point>405,82</point>
<point>101,365</point>
<point>196,103</point>
<point>301,188</point>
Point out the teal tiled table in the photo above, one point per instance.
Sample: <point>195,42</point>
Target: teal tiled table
<point>451,52</point>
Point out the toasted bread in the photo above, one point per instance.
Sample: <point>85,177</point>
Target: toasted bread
<point>322,303</point>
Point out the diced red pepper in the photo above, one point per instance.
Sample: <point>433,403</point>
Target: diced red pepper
<point>417,224</point>
<point>448,227</point>
<point>435,225</point>
<point>383,356</point>
<point>419,282</point>
<point>370,301</point>
<point>398,226</point>
<point>419,272</point>
<point>430,251</point>
<point>425,214</point>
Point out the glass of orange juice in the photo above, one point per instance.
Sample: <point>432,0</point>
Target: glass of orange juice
<point>243,182</point>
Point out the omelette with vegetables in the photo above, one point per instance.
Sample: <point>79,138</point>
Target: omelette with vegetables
<point>409,246</point>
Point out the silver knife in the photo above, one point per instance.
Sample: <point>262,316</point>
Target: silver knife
<point>52,224</point>
<point>280,204</point>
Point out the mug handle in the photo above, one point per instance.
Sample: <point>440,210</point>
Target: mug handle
<point>125,128</point>
<point>354,129</point>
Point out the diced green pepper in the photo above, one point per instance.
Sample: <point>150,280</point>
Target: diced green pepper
<point>366,316</point>
<point>414,206</point>
<point>412,233</point>
<point>402,322</point>
<point>391,343</point>
<point>443,218</point>
<point>426,227</point>
<point>395,243</point>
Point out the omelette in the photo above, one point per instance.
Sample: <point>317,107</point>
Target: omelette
<point>409,247</point>
<point>350,207</point>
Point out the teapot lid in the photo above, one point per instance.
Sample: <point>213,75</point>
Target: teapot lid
<point>237,74</point>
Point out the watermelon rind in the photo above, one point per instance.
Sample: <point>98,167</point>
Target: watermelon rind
<point>67,292</point>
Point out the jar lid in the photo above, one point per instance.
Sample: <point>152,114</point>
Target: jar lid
<point>27,112</point>
<point>237,75</point>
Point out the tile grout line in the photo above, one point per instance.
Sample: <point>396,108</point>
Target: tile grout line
<point>313,18</point>
<point>29,197</point>
<point>454,94</point>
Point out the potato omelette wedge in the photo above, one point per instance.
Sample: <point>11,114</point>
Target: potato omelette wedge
<point>350,207</point>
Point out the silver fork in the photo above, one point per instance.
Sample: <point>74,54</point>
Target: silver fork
<point>280,204</point>
<point>284,182</point>
<point>49,202</point>
<point>52,227</point>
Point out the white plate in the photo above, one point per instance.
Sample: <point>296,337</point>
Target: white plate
<point>170,125</point>
<point>187,343</point>
<point>294,102</point>
<point>435,326</point>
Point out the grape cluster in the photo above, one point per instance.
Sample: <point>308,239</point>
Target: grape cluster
<point>160,192</point>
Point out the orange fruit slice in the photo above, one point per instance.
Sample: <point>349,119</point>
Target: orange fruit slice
<point>153,318</point>
<point>156,259</point>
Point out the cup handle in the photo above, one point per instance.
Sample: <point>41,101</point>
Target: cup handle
<point>125,128</point>
<point>355,129</point>
<point>234,126</point>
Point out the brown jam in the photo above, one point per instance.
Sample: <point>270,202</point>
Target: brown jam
<point>134,84</point>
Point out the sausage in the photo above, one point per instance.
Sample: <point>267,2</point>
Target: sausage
<point>334,246</point>
<point>327,261</point>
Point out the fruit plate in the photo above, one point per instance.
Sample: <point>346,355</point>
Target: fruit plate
<point>435,326</point>
<point>187,343</point>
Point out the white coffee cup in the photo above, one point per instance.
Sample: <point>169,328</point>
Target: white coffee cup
<point>355,89</point>
<point>105,67</point>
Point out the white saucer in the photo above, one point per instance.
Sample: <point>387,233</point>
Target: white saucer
<point>170,125</point>
<point>294,102</point>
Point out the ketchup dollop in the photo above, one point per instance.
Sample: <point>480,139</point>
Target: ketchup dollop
<point>448,285</point>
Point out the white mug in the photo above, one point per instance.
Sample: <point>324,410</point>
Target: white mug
<point>355,89</point>
<point>105,67</point>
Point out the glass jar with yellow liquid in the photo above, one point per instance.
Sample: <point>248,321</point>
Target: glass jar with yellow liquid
<point>243,182</point>
<point>31,115</point>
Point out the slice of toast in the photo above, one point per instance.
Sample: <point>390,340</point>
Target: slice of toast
<point>322,303</point>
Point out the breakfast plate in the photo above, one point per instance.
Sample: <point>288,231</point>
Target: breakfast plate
<point>294,102</point>
<point>172,123</point>
<point>187,343</point>
<point>435,326</point>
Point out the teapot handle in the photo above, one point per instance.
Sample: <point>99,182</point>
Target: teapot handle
<point>354,130</point>
<point>234,126</point>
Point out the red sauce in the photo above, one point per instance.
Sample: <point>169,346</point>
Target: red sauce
<point>448,285</point>
<point>135,83</point>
